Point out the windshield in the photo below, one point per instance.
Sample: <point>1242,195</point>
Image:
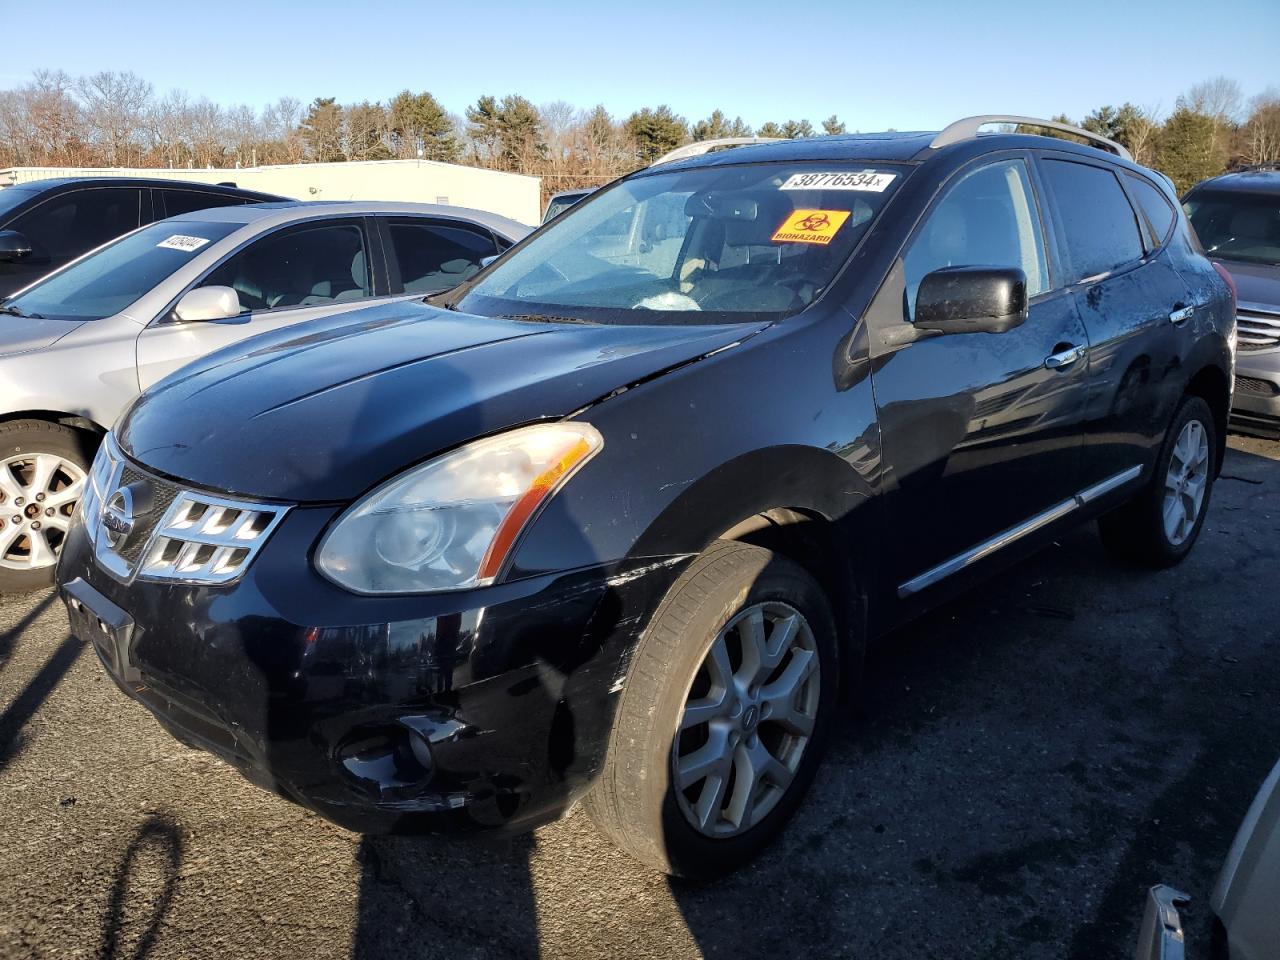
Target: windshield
<point>108,280</point>
<point>1237,226</point>
<point>709,245</point>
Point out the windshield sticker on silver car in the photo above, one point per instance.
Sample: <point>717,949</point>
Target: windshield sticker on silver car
<point>182,242</point>
<point>868,180</point>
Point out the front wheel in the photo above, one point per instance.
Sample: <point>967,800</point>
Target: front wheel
<point>1160,525</point>
<point>42,476</point>
<point>724,715</point>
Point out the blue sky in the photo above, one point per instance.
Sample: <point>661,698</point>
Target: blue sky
<point>877,64</point>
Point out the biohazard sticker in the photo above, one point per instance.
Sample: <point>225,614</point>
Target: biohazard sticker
<point>182,242</point>
<point>810,226</point>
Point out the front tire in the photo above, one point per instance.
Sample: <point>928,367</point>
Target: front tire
<point>43,470</point>
<point>1161,524</point>
<point>724,716</point>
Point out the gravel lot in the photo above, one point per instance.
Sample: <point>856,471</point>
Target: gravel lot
<point>1024,764</point>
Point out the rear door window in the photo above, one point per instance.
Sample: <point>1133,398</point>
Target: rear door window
<point>435,256</point>
<point>1099,226</point>
<point>1155,208</point>
<point>310,266</point>
<point>69,224</point>
<point>173,202</point>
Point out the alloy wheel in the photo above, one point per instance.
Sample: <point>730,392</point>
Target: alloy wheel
<point>38,496</point>
<point>748,716</point>
<point>1186,482</point>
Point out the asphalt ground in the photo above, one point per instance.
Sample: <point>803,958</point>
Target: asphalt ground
<point>1023,764</point>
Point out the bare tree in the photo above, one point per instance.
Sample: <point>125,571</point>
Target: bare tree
<point>168,123</point>
<point>280,123</point>
<point>206,124</point>
<point>1218,97</point>
<point>115,105</point>
<point>1261,132</point>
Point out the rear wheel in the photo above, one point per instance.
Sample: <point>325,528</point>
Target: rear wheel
<point>42,475</point>
<point>1160,525</point>
<point>725,712</point>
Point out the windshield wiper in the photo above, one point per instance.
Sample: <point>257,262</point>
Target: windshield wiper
<point>545,318</point>
<point>15,312</point>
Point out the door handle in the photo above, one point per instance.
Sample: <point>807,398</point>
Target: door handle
<point>1181,315</point>
<point>1064,358</point>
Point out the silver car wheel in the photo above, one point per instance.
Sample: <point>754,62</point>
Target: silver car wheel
<point>1186,481</point>
<point>748,715</point>
<point>38,495</point>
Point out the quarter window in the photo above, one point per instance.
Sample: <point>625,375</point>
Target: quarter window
<point>299,268</point>
<point>989,219</point>
<point>1098,224</point>
<point>434,257</point>
<point>1154,207</point>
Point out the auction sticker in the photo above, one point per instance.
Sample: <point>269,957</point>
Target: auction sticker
<point>182,242</point>
<point>810,226</point>
<point>867,180</point>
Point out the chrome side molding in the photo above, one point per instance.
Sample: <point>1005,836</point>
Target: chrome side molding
<point>1016,533</point>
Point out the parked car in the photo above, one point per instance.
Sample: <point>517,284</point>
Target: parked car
<point>1246,921</point>
<point>1237,217</point>
<point>47,223</point>
<point>562,201</point>
<point>79,345</point>
<point>621,529</point>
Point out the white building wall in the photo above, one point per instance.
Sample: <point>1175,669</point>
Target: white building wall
<point>414,181</point>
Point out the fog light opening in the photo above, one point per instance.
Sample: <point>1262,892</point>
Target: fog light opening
<point>390,762</point>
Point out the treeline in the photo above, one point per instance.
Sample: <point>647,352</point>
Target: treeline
<point>116,118</point>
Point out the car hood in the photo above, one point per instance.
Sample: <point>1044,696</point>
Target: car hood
<point>1256,283</point>
<point>23,334</point>
<point>327,409</point>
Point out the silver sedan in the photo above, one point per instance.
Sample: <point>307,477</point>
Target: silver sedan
<point>77,346</point>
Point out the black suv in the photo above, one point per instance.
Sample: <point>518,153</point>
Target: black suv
<point>1237,217</point>
<point>617,517</point>
<point>46,223</point>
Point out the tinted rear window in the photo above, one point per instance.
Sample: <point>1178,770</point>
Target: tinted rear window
<point>175,202</point>
<point>1100,227</point>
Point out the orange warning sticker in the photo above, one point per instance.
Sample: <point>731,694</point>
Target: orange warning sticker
<point>810,226</point>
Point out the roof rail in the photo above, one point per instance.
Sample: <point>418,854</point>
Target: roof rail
<point>706,146</point>
<point>968,128</point>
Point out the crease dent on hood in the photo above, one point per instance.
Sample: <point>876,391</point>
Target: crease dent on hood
<point>323,416</point>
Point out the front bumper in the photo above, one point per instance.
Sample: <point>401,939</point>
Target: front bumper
<point>487,708</point>
<point>1255,407</point>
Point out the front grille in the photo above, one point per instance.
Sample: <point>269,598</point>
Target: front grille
<point>1258,388</point>
<point>176,533</point>
<point>162,497</point>
<point>206,539</point>
<point>1257,329</point>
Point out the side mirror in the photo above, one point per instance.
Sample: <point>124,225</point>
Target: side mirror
<point>208,303</point>
<point>13,246</point>
<point>972,300</point>
<point>485,261</point>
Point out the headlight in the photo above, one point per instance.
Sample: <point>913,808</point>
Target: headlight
<point>450,523</point>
